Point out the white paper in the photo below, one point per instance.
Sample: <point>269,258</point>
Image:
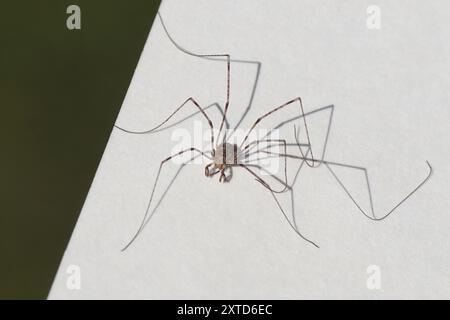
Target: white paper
<point>208,240</point>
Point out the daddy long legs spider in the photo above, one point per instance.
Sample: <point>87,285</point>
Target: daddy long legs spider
<point>224,156</point>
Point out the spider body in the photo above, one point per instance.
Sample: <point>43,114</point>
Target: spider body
<point>225,155</point>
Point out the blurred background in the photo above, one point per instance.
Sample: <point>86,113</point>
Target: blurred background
<point>60,93</point>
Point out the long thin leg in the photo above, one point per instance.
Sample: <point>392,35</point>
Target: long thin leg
<point>141,227</point>
<point>255,83</point>
<point>293,226</point>
<point>267,156</point>
<point>370,194</point>
<point>282,141</point>
<point>268,147</point>
<point>296,175</point>
<point>172,114</point>
<point>297,144</point>
<point>272,192</point>
<point>258,120</point>
<point>373,217</point>
<point>215,104</point>
<point>261,180</point>
<point>247,153</point>
<point>309,113</point>
<point>292,183</point>
<point>223,55</point>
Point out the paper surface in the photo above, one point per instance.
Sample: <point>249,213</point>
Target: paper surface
<point>391,112</point>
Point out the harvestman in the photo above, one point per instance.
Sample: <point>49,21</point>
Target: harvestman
<point>225,156</point>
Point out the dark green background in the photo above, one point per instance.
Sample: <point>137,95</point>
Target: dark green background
<point>60,92</point>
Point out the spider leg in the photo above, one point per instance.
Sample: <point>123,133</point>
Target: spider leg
<point>212,174</point>
<point>163,162</point>
<point>230,175</point>
<point>328,164</point>
<point>222,176</point>
<point>289,186</point>
<point>247,154</point>
<point>366,175</point>
<point>207,56</point>
<point>266,185</point>
<point>261,180</point>
<point>171,115</point>
<point>291,191</point>
<point>280,141</point>
<point>258,120</point>
<point>208,173</point>
<point>287,219</point>
<point>374,217</point>
<point>215,105</point>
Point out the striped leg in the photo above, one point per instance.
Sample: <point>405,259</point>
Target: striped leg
<point>278,109</point>
<point>273,192</point>
<point>262,181</point>
<point>289,221</point>
<point>173,113</point>
<point>144,220</point>
<point>280,141</point>
<point>227,102</point>
<point>296,133</point>
<point>328,164</point>
<point>288,187</point>
<point>207,56</point>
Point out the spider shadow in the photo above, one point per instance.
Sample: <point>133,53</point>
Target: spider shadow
<point>329,164</point>
<point>251,62</point>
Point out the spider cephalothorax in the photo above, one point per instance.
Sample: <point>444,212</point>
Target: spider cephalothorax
<point>225,156</point>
